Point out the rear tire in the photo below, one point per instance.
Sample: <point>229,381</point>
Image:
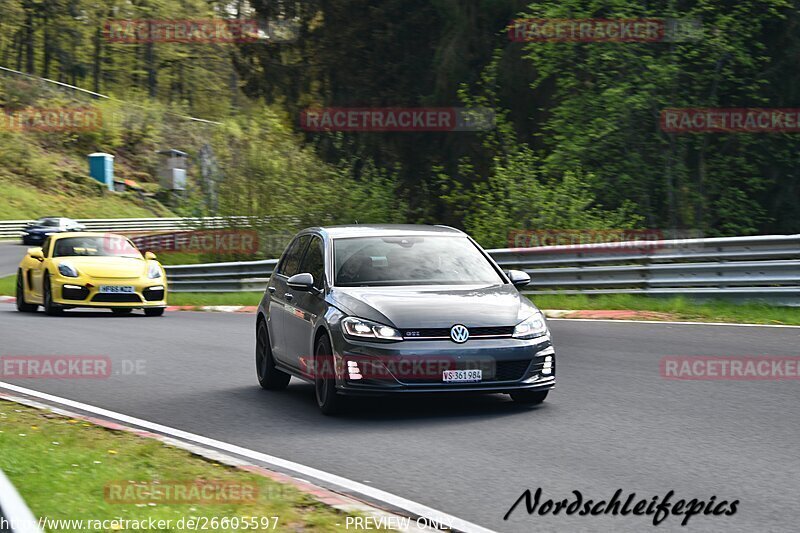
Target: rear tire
<point>121,311</point>
<point>269,377</point>
<point>529,397</point>
<point>50,308</point>
<point>154,311</point>
<point>328,401</point>
<point>23,307</point>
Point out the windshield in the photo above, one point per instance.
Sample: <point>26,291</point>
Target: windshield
<point>410,260</point>
<point>95,246</point>
<point>48,222</point>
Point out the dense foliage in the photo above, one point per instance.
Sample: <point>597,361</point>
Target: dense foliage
<point>577,143</point>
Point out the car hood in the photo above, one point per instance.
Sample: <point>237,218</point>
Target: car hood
<point>107,267</point>
<point>436,306</point>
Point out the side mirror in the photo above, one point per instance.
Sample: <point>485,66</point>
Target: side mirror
<point>301,282</point>
<point>519,278</point>
<point>36,253</point>
<point>150,256</point>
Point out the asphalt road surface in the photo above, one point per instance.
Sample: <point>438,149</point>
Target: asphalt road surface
<point>11,253</point>
<point>612,422</point>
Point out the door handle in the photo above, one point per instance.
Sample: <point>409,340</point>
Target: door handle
<point>271,290</point>
<point>289,296</point>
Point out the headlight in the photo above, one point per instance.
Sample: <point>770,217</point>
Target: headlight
<point>532,327</point>
<point>154,271</point>
<point>67,270</point>
<point>367,329</point>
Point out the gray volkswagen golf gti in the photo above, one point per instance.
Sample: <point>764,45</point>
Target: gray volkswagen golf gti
<point>366,310</point>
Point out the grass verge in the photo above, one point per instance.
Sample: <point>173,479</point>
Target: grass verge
<point>23,201</point>
<point>214,298</point>
<point>681,308</point>
<point>8,288</point>
<point>61,467</point>
<point>8,285</point>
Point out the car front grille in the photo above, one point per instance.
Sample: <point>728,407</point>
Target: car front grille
<point>124,297</point>
<point>74,293</point>
<point>444,333</point>
<point>493,371</point>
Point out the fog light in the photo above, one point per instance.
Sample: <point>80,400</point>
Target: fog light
<point>353,372</point>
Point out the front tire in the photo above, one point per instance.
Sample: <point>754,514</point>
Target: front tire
<point>50,308</point>
<point>154,311</point>
<point>269,377</point>
<point>23,307</point>
<point>328,401</point>
<point>529,397</point>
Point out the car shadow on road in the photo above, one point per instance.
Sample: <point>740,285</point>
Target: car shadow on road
<point>85,313</point>
<point>419,407</point>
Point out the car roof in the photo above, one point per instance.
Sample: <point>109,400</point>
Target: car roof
<point>385,230</point>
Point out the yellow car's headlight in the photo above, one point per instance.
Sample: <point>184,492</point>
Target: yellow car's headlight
<point>67,270</point>
<point>154,271</point>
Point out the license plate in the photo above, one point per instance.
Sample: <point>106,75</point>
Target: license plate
<point>113,289</point>
<point>461,376</point>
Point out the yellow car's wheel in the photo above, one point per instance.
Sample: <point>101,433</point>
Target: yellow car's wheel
<point>21,305</point>
<point>49,307</point>
<point>154,311</point>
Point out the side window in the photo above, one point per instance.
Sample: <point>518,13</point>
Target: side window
<point>314,262</point>
<point>290,264</point>
<point>46,247</point>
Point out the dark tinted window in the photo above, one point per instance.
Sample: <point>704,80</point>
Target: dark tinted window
<point>95,246</point>
<point>314,262</point>
<point>411,260</point>
<point>290,264</point>
<point>49,222</point>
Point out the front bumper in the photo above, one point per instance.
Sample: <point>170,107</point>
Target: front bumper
<point>416,366</point>
<point>78,292</point>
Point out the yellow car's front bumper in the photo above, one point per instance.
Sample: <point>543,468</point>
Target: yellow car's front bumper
<point>89,292</point>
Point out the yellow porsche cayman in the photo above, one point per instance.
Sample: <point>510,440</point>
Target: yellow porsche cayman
<point>90,270</point>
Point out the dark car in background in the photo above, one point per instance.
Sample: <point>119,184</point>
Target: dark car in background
<point>399,309</point>
<point>37,231</point>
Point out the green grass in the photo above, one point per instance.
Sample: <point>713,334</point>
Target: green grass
<point>22,201</point>
<point>8,285</point>
<point>60,467</point>
<point>8,288</point>
<point>214,298</point>
<point>681,308</point>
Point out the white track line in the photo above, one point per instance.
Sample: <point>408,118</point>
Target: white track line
<point>654,322</point>
<point>416,509</point>
<point>15,510</point>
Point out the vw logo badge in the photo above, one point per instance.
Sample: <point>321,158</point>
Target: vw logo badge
<point>459,333</point>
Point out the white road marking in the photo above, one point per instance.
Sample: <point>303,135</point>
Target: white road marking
<point>417,509</point>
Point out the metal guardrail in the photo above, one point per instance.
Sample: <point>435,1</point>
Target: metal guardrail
<point>13,228</point>
<point>754,268</point>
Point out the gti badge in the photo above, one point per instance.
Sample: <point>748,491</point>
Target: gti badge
<point>459,333</point>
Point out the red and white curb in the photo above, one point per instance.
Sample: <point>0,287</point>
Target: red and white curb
<point>413,516</point>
